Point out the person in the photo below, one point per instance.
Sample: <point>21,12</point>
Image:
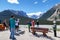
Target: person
<point>17,24</point>
<point>54,27</point>
<point>29,24</point>
<point>12,27</point>
<point>37,23</point>
<point>0,21</point>
<point>33,23</point>
<point>5,24</point>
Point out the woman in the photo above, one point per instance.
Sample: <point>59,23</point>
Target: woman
<point>17,24</point>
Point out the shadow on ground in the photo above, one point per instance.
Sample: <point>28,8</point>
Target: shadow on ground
<point>58,37</point>
<point>41,35</point>
<point>20,32</point>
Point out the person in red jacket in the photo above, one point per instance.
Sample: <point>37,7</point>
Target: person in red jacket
<point>33,23</point>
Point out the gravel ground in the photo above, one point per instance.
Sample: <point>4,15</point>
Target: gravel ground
<point>4,35</point>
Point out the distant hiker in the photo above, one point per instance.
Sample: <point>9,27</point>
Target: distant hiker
<point>5,24</point>
<point>12,27</point>
<point>29,25</point>
<point>37,23</point>
<point>17,24</point>
<point>54,27</point>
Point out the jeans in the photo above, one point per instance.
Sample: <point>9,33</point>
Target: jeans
<point>12,30</point>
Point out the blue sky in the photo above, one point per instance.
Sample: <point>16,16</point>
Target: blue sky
<point>28,6</point>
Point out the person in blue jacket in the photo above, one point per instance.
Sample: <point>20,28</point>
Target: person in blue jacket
<point>12,27</point>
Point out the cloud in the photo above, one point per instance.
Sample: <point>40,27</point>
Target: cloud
<point>13,1</point>
<point>36,13</point>
<point>35,2</point>
<point>57,4</point>
<point>44,1</point>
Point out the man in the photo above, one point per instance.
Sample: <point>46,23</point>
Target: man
<point>54,28</point>
<point>29,24</point>
<point>12,27</point>
<point>37,23</point>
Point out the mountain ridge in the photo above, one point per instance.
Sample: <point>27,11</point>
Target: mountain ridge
<point>50,12</point>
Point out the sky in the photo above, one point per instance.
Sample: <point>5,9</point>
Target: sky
<point>29,6</point>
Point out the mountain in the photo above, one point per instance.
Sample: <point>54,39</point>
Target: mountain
<point>34,16</point>
<point>6,14</point>
<point>56,13</point>
<point>21,13</point>
<point>50,12</point>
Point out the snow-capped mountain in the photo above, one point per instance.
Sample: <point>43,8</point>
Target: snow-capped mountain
<point>35,15</point>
